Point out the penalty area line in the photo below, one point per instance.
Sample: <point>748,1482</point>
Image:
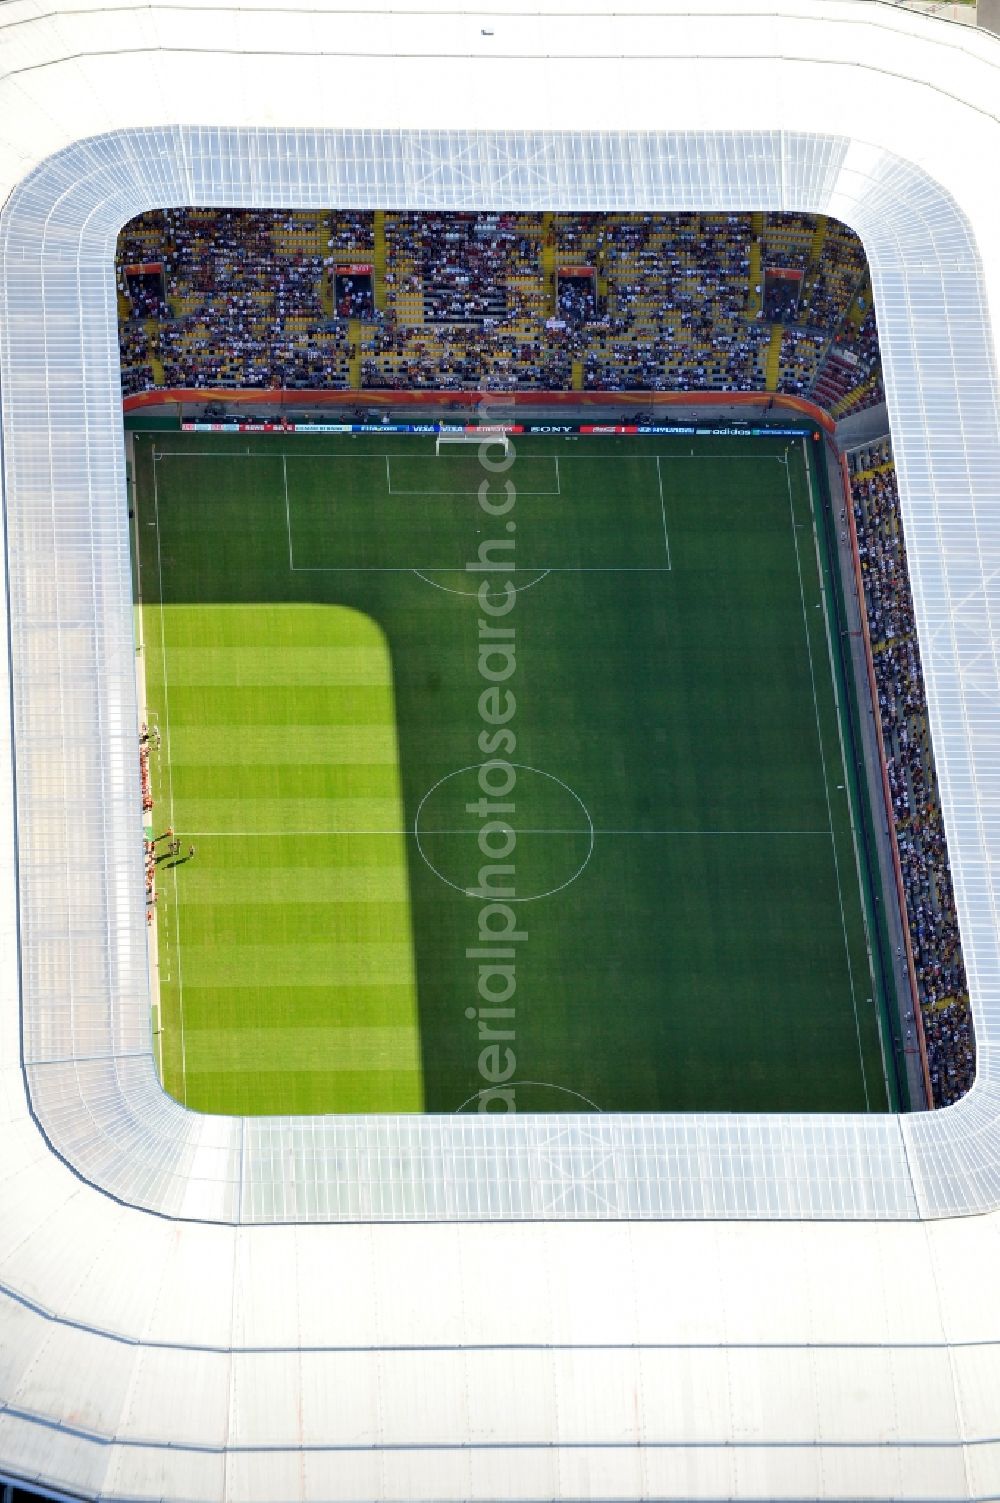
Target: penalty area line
<point>288,513</point>
<point>462,569</point>
<point>663,510</point>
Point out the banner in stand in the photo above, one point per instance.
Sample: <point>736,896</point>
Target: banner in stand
<point>573,429</point>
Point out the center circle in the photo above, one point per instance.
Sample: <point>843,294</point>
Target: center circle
<point>503,831</point>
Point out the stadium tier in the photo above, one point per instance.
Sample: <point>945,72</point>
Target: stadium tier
<point>915,801</point>
<point>500,302</point>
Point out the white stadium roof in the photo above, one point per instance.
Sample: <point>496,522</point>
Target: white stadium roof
<point>473,1308</point>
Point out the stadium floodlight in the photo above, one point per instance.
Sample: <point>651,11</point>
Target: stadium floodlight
<point>158,1339</point>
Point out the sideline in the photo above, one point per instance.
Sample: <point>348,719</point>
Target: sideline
<point>824,767</point>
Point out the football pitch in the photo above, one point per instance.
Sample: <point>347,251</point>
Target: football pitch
<point>507,789</point>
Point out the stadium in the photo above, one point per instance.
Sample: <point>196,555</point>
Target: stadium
<point>499,935</point>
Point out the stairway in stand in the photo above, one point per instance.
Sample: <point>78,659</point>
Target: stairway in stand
<point>549,260</point>
<point>354,364</point>
<point>816,244</point>
<point>815,257</point>
<point>378,260</point>
<point>325,289</point>
<point>755,299</point>
<point>772,367</point>
<point>152,326</point>
<point>856,314</point>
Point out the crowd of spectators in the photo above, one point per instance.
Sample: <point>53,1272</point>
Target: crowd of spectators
<point>466,306</point>
<point>134,342</point>
<point>576,301</point>
<point>350,230</point>
<point>244,300</point>
<point>831,288</point>
<point>786,240</point>
<point>781,299</point>
<point>919,828</point>
<point>354,298</point>
<point>459,265</point>
<point>146,739</point>
<point>679,298</point>
<point>801,352</point>
<point>145,296</point>
<point>670,302</point>
<point>149,740</point>
<point>868,388</point>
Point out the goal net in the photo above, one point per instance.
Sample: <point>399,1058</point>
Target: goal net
<point>477,440</point>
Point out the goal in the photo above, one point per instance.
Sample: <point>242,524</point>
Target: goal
<point>478,439</point>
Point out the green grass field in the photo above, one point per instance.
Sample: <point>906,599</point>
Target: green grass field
<point>679,826</point>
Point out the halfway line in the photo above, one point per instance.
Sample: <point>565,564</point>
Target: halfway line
<point>470,830</point>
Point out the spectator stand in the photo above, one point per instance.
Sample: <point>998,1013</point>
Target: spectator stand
<point>945,1018</point>
<point>460,302</point>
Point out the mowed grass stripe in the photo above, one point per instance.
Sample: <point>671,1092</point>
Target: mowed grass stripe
<point>308,816</point>
<point>324,745</point>
<point>293,665</point>
<point>286,705</point>
<point>339,962</point>
<point>286,781</point>
<point>227,634</point>
<point>302,1092</point>
<point>246,884</point>
<point>299,1047</point>
<point>256,854</point>
<point>310,924</point>
<point>267,1008</point>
